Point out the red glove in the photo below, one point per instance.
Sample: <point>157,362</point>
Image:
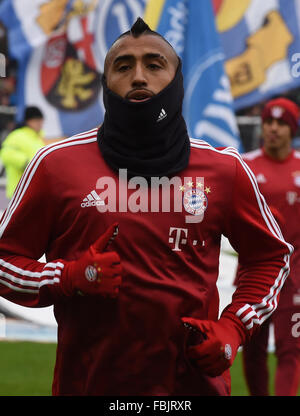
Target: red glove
<point>219,345</point>
<point>96,272</point>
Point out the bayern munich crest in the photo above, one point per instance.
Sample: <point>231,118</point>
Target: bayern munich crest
<point>195,201</point>
<point>277,111</point>
<point>227,352</point>
<point>91,273</point>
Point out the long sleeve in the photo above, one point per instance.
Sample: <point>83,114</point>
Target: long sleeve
<point>25,233</point>
<point>263,254</point>
<point>12,155</point>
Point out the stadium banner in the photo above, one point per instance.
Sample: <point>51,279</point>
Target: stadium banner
<point>189,25</point>
<point>61,45</point>
<point>261,42</point>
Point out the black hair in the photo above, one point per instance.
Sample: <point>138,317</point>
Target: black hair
<point>32,112</point>
<point>139,28</point>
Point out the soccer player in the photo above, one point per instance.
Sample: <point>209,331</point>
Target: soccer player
<point>277,169</point>
<point>137,312</point>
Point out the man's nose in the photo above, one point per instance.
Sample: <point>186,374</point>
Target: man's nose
<point>274,124</point>
<point>139,75</point>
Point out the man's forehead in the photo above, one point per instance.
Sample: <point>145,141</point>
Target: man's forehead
<point>129,45</point>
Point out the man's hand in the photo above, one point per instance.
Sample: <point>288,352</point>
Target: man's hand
<point>96,272</point>
<point>217,350</point>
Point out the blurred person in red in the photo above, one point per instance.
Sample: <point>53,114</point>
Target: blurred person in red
<point>276,166</point>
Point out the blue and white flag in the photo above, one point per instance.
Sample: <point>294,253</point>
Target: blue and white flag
<point>189,25</point>
<point>261,42</point>
<point>61,45</point>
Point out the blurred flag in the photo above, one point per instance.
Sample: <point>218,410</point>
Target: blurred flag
<point>261,42</point>
<point>61,45</point>
<point>189,25</point>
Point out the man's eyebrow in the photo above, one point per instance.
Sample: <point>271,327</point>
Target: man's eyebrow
<point>122,58</point>
<point>149,55</point>
<point>155,56</point>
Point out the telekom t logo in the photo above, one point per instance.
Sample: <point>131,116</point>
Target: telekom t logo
<point>180,237</point>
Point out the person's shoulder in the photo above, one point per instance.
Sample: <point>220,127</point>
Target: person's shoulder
<point>253,154</point>
<point>17,133</point>
<point>73,144</point>
<point>63,153</point>
<point>201,146</point>
<point>297,154</point>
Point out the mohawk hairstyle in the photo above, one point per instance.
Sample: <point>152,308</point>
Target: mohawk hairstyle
<point>139,28</point>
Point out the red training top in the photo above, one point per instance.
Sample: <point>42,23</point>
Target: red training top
<point>136,344</point>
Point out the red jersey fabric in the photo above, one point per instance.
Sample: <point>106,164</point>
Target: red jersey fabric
<point>279,182</point>
<point>136,344</point>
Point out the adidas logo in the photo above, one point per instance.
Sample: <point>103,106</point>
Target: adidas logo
<point>91,200</point>
<point>162,115</point>
<point>261,178</point>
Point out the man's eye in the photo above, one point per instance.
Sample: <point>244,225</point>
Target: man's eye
<point>123,68</point>
<point>154,66</point>
<point>281,122</point>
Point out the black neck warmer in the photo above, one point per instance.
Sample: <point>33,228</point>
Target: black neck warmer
<point>147,138</point>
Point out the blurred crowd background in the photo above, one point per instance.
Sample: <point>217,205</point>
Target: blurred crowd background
<point>8,99</point>
<point>248,119</point>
